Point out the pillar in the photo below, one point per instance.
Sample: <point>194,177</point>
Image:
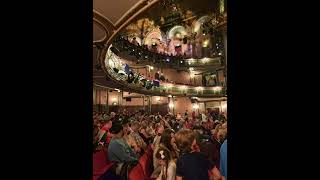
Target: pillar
<point>107,102</point>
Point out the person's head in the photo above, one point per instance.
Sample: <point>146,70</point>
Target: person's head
<point>163,155</point>
<point>159,129</point>
<point>112,114</point>
<point>125,126</point>
<point>185,140</point>
<point>167,138</point>
<point>162,123</point>
<point>222,133</point>
<point>135,126</point>
<point>116,130</point>
<point>107,124</point>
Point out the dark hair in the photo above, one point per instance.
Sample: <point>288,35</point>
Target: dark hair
<point>165,154</point>
<point>116,128</point>
<point>166,138</point>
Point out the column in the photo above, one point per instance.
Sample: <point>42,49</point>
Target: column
<point>107,102</point>
<point>149,104</point>
<point>144,108</point>
<point>224,35</point>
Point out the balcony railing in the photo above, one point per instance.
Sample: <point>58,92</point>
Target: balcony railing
<point>112,62</point>
<point>142,54</point>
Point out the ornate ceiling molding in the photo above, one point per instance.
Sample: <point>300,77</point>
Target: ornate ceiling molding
<point>101,26</point>
<point>105,24</point>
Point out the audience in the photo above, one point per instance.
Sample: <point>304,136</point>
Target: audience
<point>190,150</point>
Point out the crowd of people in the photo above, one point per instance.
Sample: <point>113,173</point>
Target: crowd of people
<point>185,146</point>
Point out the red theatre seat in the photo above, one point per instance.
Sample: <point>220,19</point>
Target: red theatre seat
<point>100,164</point>
<point>146,164</point>
<point>137,173</point>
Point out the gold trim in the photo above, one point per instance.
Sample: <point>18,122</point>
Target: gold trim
<point>133,9</point>
<point>106,32</point>
<point>149,5</point>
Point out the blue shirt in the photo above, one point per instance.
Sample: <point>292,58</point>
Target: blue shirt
<point>223,159</point>
<point>119,151</point>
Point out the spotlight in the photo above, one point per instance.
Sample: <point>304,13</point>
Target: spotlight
<point>220,53</point>
<point>168,60</point>
<point>181,62</point>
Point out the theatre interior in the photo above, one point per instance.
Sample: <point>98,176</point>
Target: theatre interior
<point>159,67</point>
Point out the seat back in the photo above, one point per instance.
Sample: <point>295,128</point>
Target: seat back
<point>146,164</point>
<point>99,160</point>
<point>136,173</point>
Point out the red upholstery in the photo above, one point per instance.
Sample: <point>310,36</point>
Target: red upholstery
<point>136,173</point>
<point>146,163</point>
<point>100,164</point>
<point>149,151</point>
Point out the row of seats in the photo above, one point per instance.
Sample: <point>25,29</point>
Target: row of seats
<point>101,164</point>
<point>141,171</point>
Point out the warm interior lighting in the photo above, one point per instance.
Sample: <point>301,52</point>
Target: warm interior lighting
<point>114,99</point>
<point>205,43</point>
<point>169,85</point>
<point>171,105</point>
<point>205,60</point>
<point>199,88</point>
<point>158,98</point>
<point>217,88</point>
<point>183,87</point>
<point>191,75</point>
<point>191,69</point>
<point>195,106</point>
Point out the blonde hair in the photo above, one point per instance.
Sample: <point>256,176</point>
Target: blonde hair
<point>184,139</point>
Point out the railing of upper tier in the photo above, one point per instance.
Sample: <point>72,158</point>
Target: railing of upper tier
<point>113,62</point>
<point>141,54</point>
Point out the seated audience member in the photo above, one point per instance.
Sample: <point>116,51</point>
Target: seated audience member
<point>167,164</point>
<point>129,139</point>
<point>223,159</point>
<point>118,149</point>
<point>167,141</point>
<point>103,135</point>
<point>192,165</point>
<point>215,131</point>
<point>187,124</point>
<point>137,138</point>
<point>158,130</point>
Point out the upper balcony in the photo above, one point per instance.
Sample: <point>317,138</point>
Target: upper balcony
<point>135,82</point>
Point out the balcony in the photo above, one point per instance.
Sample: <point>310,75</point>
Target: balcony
<point>137,83</point>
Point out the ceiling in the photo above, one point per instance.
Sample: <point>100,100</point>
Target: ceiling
<point>114,10</point>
